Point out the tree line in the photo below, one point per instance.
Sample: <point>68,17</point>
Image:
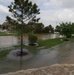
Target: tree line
<point>66,29</point>
<point>29,27</point>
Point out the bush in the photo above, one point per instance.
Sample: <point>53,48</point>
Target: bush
<point>32,39</point>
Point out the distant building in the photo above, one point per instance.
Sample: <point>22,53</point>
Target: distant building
<point>6,26</point>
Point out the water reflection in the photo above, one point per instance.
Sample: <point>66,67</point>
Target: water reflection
<point>51,36</point>
<point>6,41</point>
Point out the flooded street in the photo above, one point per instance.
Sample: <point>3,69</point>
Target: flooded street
<point>56,55</point>
<point>60,54</point>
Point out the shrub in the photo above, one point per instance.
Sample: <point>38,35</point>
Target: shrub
<point>32,39</point>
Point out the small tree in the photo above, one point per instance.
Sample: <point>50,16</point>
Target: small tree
<point>22,11</point>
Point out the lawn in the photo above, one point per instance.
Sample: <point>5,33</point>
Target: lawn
<point>50,42</point>
<point>7,34</point>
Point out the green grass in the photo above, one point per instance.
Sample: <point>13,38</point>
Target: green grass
<point>7,34</point>
<point>4,53</point>
<point>50,42</point>
<point>44,43</point>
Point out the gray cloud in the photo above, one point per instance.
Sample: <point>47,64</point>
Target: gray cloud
<point>5,2</point>
<point>63,3</point>
<point>52,11</point>
<point>3,9</point>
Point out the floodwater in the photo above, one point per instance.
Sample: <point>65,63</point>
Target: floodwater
<point>7,41</point>
<point>60,54</point>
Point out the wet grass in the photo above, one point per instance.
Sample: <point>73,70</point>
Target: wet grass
<point>4,53</point>
<point>34,49</point>
<point>45,44</point>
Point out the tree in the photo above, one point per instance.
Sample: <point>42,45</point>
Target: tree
<point>49,29</point>
<point>0,26</point>
<point>39,28</point>
<point>66,29</point>
<point>23,11</point>
<point>46,29</point>
<point>73,28</point>
<point>36,27</point>
<point>57,29</point>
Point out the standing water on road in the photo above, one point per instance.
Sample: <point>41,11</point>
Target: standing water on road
<point>59,54</point>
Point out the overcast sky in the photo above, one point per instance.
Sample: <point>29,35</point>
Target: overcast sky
<point>52,11</point>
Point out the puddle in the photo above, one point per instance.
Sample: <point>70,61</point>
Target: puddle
<point>12,55</point>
